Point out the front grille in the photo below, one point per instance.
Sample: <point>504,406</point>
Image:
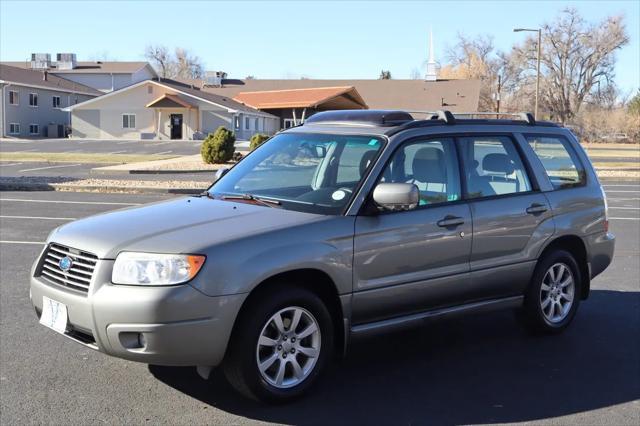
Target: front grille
<point>77,277</point>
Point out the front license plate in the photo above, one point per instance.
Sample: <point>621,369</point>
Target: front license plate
<point>54,315</point>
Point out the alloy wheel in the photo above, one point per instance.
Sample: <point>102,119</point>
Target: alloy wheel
<point>288,347</point>
<point>557,293</point>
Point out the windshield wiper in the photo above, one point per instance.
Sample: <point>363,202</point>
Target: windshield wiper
<point>206,194</point>
<point>250,197</point>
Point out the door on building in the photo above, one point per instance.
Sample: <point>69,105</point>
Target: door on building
<point>176,126</point>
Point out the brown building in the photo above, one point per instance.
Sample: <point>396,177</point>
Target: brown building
<point>294,105</point>
<point>408,95</point>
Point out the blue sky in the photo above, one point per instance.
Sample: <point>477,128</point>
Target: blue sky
<point>293,38</point>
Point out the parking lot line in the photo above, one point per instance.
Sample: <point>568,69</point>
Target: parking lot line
<point>164,152</point>
<point>38,217</point>
<point>117,152</point>
<point>127,142</point>
<point>624,208</point>
<point>624,218</point>
<point>612,192</point>
<point>22,242</point>
<point>102,203</point>
<point>611,186</point>
<point>49,167</point>
<point>10,164</point>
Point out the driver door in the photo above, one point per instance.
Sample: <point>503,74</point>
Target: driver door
<point>407,262</point>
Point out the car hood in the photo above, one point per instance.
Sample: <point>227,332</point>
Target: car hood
<point>185,225</point>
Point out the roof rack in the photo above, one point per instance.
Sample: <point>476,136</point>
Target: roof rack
<point>450,117</point>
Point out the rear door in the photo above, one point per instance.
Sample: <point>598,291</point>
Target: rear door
<point>406,262</point>
<point>511,217</point>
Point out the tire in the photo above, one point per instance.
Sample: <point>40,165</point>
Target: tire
<point>258,323</point>
<point>544,294</point>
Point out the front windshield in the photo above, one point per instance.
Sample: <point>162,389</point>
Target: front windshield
<point>315,173</point>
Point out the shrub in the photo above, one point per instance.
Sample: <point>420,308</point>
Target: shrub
<point>218,147</point>
<point>257,140</point>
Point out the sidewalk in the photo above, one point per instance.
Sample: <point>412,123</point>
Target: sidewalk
<point>184,164</point>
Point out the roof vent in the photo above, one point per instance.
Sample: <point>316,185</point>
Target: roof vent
<point>66,61</point>
<point>214,78</point>
<point>40,61</point>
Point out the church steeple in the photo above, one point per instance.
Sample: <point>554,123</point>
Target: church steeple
<point>432,66</point>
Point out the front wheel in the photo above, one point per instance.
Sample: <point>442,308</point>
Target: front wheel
<point>553,296</point>
<point>280,345</point>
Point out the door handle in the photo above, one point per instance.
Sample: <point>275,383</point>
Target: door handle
<point>449,221</point>
<point>536,208</point>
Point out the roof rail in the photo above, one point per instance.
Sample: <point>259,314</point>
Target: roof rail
<point>524,116</point>
<point>450,117</point>
<point>443,115</point>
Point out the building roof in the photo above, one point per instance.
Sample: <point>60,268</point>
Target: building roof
<point>345,97</point>
<point>170,101</point>
<point>32,78</point>
<point>98,67</point>
<point>454,95</point>
<point>184,89</point>
<point>221,100</point>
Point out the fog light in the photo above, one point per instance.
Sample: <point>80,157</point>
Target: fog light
<point>141,340</point>
<point>132,340</point>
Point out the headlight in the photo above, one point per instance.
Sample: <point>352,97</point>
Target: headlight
<point>155,269</point>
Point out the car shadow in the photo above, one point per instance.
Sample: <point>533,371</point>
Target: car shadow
<point>477,369</point>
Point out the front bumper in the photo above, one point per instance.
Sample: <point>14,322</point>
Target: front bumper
<point>180,325</point>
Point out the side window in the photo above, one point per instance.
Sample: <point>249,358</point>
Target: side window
<point>492,166</point>
<point>431,165</point>
<point>559,160</point>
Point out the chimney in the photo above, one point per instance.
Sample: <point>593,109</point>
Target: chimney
<point>45,75</point>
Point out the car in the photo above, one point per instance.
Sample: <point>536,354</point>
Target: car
<point>354,223</point>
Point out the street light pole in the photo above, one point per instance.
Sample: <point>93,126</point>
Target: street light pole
<point>539,31</point>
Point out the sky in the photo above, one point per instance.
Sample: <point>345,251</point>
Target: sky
<point>292,39</point>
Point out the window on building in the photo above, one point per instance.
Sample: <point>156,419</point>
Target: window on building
<point>14,98</point>
<point>34,129</point>
<point>256,124</point>
<point>559,160</point>
<point>246,123</point>
<point>33,99</point>
<point>492,166</point>
<point>14,128</point>
<point>236,123</point>
<point>128,121</point>
<point>56,101</point>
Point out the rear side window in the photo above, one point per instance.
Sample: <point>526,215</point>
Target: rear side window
<point>559,160</point>
<point>492,166</point>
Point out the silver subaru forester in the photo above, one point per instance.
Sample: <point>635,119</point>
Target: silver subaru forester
<point>354,223</point>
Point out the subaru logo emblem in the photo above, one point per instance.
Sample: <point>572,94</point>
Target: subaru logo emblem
<point>65,263</point>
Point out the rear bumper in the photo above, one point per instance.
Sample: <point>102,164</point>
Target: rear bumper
<point>179,325</point>
<point>600,248</point>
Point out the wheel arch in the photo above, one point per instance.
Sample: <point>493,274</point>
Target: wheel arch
<point>576,246</point>
<point>314,280</point>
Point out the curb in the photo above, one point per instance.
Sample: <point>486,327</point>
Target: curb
<point>28,187</point>
<point>97,171</point>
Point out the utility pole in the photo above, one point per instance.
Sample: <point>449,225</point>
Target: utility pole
<point>539,31</point>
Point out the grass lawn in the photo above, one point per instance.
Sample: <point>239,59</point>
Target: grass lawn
<point>63,157</point>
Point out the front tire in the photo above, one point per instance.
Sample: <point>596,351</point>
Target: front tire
<point>280,345</point>
<point>553,296</point>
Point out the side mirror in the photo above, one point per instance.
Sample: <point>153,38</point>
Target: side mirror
<point>321,151</point>
<point>396,196</point>
<point>220,173</point>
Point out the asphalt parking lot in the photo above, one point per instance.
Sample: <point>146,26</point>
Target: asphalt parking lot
<point>101,146</point>
<point>480,369</point>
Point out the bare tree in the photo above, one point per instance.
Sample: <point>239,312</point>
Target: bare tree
<point>181,64</point>
<point>415,74</point>
<point>575,56</point>
<point>475,59</point>
<point>187,65</point>
<point>160,58</point>
<point>385,75</point>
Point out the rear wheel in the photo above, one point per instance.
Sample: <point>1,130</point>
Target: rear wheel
<point>553,296</point>
<point>280,345</point>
